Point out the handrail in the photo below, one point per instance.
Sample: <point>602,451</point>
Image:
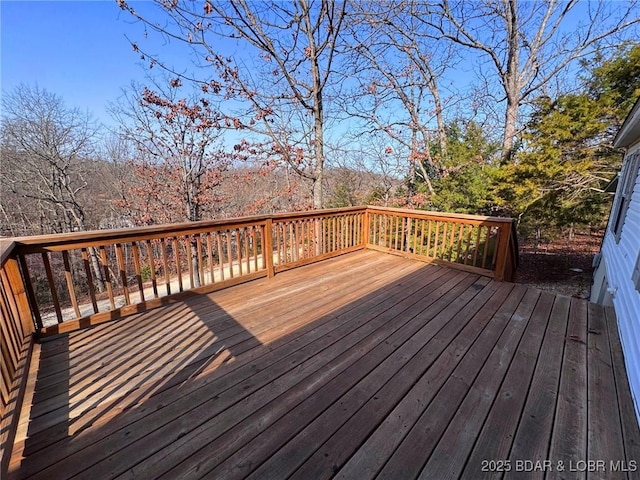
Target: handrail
<point>445,215</point>
<point>6,249</point>
<point>59,241</point>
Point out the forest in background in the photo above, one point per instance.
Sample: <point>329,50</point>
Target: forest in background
<point>342,104</point>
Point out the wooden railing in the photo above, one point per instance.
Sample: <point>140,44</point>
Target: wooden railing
<point>79,279</point>
<point>314,236</point>
<point>484,245</point>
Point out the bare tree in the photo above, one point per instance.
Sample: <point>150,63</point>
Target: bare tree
<point>527,43</point>
<point>45,148</point>
<point>45,142</point>
<point>282,79</point>
<point>398,68</point>
<point>179,135</point>
<point>180,158</point>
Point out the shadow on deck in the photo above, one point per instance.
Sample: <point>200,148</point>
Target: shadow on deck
<point>366,365</point>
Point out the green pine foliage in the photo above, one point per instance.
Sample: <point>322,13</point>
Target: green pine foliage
<point>564,160</point>
<point>469,171</point>
<point>567,158</point>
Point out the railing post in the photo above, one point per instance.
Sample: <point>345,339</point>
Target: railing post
<point>23,274</point>
<point>268,247</point>
<point>365,228</point>
<point>502,251</point>
<point>17,287</point>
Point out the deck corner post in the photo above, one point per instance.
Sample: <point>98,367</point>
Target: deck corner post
<point>20,294</point>
<point>268,247</point>
<point>365,227</point>
<point>502,251</point>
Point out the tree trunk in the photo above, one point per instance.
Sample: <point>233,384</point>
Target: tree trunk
<point>319,139</point>
<point>412,164</point>
<point>318,176</point>
<point>317,190</point>
<point>511,81</point>
<point>510,120</point>
<point>98,272</point>
<point>442,134</point>
<point>194,214</point>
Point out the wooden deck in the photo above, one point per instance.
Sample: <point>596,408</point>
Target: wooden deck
<point>365,365</point>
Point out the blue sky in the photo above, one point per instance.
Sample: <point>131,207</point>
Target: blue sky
<point>76,49</point>
<point>79,49</point>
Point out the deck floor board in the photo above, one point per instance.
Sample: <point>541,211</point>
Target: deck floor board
<point>533,435</point>
<point>366,365</point>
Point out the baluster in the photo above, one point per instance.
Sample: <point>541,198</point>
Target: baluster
<point>486,246</point>
<point>220,255</point>
<point>70,287</point>
<point>247,253</point>
<point>210,257</point>
<point>107,276</point>
<point>200,259</point>
<point>189,254</point>
<point>136,265</point>
<point>87,269</point>
<point>238,236</point>
<point>178,261</point>
<point>123,273</point>
<point>52,285</point>
<point>165,263</point>
<point>229,253</point>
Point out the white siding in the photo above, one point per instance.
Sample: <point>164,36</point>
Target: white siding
<point>620,259</point>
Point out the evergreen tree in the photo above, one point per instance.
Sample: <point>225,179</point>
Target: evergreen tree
<point>465,184</point>
<point>567,158</point>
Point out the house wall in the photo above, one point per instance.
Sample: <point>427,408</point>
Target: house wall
<point>618,260</point>
<point>600,288</point>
